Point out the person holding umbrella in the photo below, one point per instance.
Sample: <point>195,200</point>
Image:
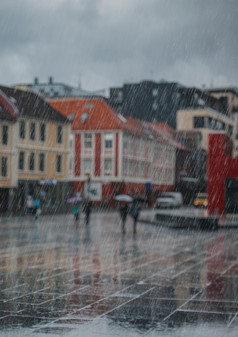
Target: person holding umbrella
<point>135,211</point>
<point>123,210</point>
<point>75,201</point>
<point>123,199</point>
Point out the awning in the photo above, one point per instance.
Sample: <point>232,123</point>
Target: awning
<point>48,182</point>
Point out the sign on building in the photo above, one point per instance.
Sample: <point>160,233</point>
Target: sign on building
<point>93,191</point>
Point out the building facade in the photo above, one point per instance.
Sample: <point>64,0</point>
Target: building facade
<point>40,162</point>
<point>8,155</point>
<point>114,154</point>
<point>159,101</point>
<point>206,121</point>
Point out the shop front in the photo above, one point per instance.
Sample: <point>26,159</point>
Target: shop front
<point>52,194</point>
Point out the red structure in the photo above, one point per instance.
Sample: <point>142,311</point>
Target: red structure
<point>220,167</point>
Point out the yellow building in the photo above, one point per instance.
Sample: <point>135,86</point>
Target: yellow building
<point>8,156</point>
<point>205,120</point>
<point>40,160</point>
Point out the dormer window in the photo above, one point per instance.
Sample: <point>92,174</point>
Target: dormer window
<point>88,140</point>
<point>108,140</point>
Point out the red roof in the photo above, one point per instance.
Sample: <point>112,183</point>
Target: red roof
<point>92,114</point>
<point>8,109</point>
<point>96,114</point>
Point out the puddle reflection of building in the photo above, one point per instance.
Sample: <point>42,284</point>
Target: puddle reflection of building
<point>128,248</point>
<point>87,234</point>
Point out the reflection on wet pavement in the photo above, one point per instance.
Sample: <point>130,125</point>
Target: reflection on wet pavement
<point>59,279</point>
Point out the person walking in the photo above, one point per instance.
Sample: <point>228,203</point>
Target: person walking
<point>123,210</point>
<point>87,210</point>
<point>29,204</point>
<point>76,212</point>
<point>36,207</point>
<point>135,212</point>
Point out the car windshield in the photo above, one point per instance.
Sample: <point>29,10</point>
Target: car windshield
<point>202,197</point>
<point>167,196</point>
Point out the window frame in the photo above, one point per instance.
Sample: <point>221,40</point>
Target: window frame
<point>59,134</point>
<point>41,156</point>
<point>107,170</point>
<point>32,162</point>
<point>108,141</point>
<point>58,164</point>
<point>42,135</point>
<point>5,134</point>
<point>87,171</point>
<point>32,133</point>
<point>22,129</point>
<point>21,160</point>
<point>88,141</point>
<point>4,167</point>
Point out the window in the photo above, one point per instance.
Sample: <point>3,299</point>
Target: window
<point>157,174</point>
<point>148,169</point>
<point>107,165</point>
<point>169,176</point>
<point>71,141</point>
<point>5,134</point>
<point>32,131</point>
<point>125,142</point>
<point>155,92</point>
<point>22,129</point>
<point>125,166</point>
<point>198,122</point>
<point>4,166</point>
<point>142,168</point>
<point>169,155</point>
<point>58,163</point>
<point>131,167</point>
<point>59,134</point>
<point>155,106</point>
<point>131,143</point>
<point>87,164</point>
<point>230,130</point>
<point>137,169</point>
<point>88,140</point>
<point>42,132</point>
<point>215,124</point>
<point>108,141</point>
<point>21,161</point>
<point>149,148</point>
<point>32,162</point>
<point>138,145</point>
<point>42,162</point>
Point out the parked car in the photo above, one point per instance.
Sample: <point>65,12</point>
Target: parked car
<point>169,200</point>
<point>201,200</point>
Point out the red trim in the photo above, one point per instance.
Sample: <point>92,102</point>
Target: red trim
<point>4,100</point>
<point>77,154</point>
<point>220,167</point>
<point>117,155</point>
<point>97,166</point>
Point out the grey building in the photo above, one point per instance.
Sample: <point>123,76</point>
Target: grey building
<point>53,89</point>
<point>159,101</point>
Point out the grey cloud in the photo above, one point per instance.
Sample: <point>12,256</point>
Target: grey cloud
<point>145,39</point>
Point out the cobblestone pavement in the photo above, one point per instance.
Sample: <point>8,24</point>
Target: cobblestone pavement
<point>59,279</point>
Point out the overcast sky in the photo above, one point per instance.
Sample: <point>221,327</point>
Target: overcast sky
<point>105,43</point>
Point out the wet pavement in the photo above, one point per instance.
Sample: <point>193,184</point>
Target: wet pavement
<point>59,279</point>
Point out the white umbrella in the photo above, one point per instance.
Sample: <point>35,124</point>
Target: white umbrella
<point>123,197</point>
